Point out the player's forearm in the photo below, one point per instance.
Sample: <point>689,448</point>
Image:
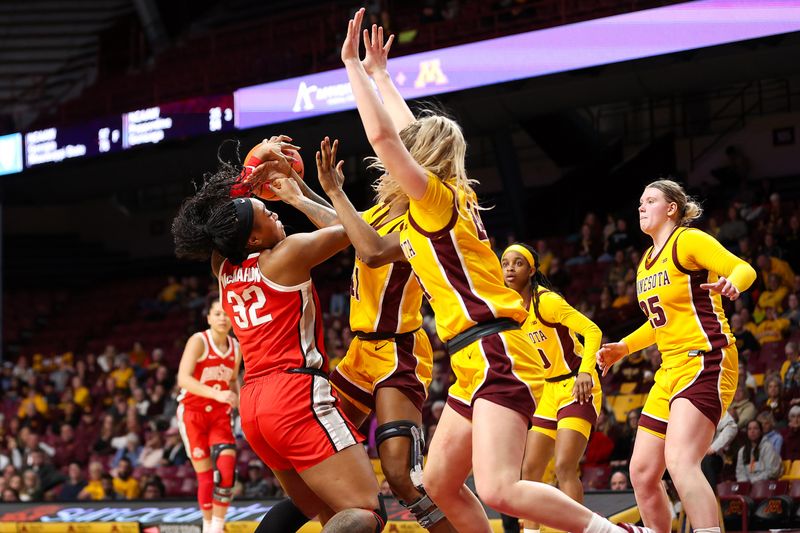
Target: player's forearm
<point>374,117</point>
<point>190,384</point>
<point>320,215</point>
<point>393,101</point>
<point>640,339</point>
<point>366,241</point>
<point>309,193</point>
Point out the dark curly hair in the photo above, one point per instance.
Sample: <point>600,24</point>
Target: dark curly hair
<point>206,221</point>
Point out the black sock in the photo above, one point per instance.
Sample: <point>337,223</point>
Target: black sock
<point>284,517</point>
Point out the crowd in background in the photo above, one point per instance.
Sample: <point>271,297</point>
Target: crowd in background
<point>101,426</point>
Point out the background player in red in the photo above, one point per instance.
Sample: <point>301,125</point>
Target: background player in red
<point>289,411</point>
<point>209,378</point>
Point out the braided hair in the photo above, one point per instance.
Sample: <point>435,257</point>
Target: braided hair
<point>207,221</point>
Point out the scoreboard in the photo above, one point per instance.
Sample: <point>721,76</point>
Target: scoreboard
<point>153,125</point>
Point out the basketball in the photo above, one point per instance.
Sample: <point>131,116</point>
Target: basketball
<point>251,161</point>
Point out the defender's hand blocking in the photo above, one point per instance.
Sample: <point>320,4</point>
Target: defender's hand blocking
<point>330,173</point>
<point>610,353</point>
<point>350,45</point>
<point>377,52</point>
<point>722,286</point>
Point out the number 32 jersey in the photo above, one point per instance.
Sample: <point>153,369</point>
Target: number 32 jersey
<point>683,315</point>
<point>278,327</point>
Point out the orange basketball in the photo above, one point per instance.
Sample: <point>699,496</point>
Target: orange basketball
<point>263,191</point>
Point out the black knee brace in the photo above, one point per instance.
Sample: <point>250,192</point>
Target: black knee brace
<point>408,429</point>
<point>222,494</point>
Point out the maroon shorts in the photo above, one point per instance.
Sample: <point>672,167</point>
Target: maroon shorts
<point>292,420</point>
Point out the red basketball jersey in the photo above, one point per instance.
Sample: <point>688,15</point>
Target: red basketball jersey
<point>214,369</point>
<point>279,327</point>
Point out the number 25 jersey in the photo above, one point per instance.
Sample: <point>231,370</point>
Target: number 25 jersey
<point>278,327</point>
<point>683,315</point>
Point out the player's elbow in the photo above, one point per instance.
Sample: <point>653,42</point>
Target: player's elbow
<point>375,259</point>
<point>181,381</point>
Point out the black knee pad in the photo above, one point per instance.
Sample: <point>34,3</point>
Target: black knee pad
<point>409,430</point>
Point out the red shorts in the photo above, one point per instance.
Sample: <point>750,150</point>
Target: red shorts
<point>200,430</point>
<point>292,421</point>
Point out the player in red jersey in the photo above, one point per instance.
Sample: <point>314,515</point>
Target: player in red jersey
<point>208,376</point>
<point>289,411</point>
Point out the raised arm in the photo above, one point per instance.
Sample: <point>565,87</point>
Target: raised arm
<point>289,191</point>
<point>375,65</point>
<point>377,122</point>
<point>290,262</point>
<point>372,248</point>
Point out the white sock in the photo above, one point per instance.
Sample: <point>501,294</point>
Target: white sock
<point>217,524</point>
<point>706,530</point>
<point>206,525</point>
<point>599,524</point>
<point>526,530</point>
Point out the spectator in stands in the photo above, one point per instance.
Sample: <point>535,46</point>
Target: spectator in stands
<point>256,485</point>
<point>791,240</point>
<point>10,495</point>
<point>107,483</point>
<point>746,250</point>
<point>772,248</point>
<point>790,370</point>
<point>733,230</point>
<point>94,487</point>
<point>33,405</point>
<point>619,481</point>
<point>746,342</point>
<point>792,313</point>
<point>141,401</point>
<point>108,432</point>
<point>154,489</point>
<point>620,239</point>
<point>632,368</point>
<point>72,487</point>
<point>22,370</point>
<point>130,452</point>
<point>174,453</point>
<point>545,256</point>
<point>138,356</point>
<point>68,449</point>
<point>772,265</point>
<point>559,277</point>
<point>588,248</point>
<point>774,295</point>
<point>125,485</point>
<point>742,409</point>
<point>122,372</point>
<point>757,459</point>
<point>31,487</point>
<point>105,361</point>
<point>621,296</point>
<point>771,435</point>
<point>152,453</point>
<point>774,401</point>
<point>772,328</point>
<point>791,436</point>
<point>49,476</point>
<point>724,435</point>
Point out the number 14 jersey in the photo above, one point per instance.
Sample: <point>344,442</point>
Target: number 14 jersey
<point>278,327</point>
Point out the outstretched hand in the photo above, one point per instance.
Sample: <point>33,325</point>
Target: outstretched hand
<point>377,52</point>
<point>330,173</point>
<point>350,45</point>
<point>722,286</point>
<point>610,353</point>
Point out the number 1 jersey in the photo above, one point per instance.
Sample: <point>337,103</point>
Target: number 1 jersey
<point>278,327</point>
